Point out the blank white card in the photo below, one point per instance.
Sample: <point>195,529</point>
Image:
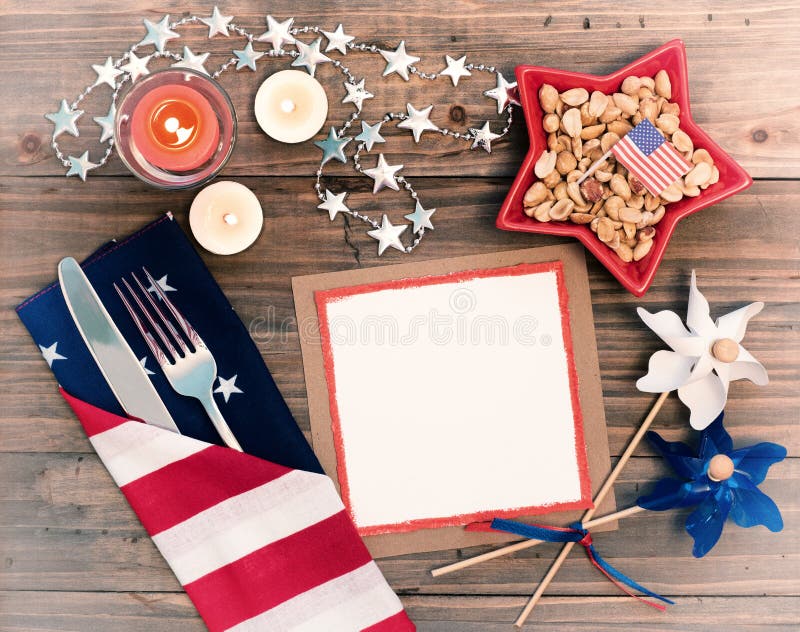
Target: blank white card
<point>454,398</point>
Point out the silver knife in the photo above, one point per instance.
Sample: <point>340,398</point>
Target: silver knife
<point>118,364</point>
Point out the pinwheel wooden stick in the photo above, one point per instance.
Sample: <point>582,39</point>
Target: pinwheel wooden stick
<point>598,499</point>
<point>609,483</point>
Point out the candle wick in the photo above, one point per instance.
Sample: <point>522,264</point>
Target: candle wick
<point>172,124</point>
<point>287,105</point>
<point>230,219</point>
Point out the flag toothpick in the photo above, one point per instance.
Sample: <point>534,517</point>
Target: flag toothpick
<point>593,167</point>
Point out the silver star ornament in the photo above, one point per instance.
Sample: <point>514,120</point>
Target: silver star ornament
<point>388,235</point>
<point>247,57</point>
<point>136,66</point>
<point>278,33</point>
<point>483,137</point>
<point>503,93</point>
<point>106,73</point>
<point>158,34</point>
<point>337,40</point>
<point>106,123</point>
<point>356,94</point>
<point>334,204</point>
<point>418,121</point>
<point>217,23</point>
<point>192,61</point>
<point>64,119</point>
<point>310,55</point>
<point>333,146</point>
<point>80,166</point>
<point>455,69</point>
<point>421,218</point>
<point>370,134</point>
<point>383,174</point>
<point>398,60</point>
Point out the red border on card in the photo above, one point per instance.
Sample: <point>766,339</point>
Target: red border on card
<point>324,297</point>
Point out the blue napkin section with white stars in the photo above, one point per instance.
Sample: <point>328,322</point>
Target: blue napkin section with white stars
<point>244,391</point>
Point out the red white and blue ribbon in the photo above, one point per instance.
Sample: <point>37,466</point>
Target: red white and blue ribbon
<point>574,533</point>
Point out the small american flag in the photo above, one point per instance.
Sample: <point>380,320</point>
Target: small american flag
<point>648,156</point>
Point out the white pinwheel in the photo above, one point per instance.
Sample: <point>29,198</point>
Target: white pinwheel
<point>704,358</point>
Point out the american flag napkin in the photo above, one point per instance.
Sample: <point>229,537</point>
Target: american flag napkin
<point>245,391</point>
<point>648,156</point>
<point>259,544</point>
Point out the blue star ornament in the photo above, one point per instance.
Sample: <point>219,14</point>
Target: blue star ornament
<point>158,34</point>
<point>719,482</point>
<point>106,123</point>
<point>64,119</point>
<point>80,166</point>
<point>247,57</point>
<point>370,134</point>
<point>333,146</point>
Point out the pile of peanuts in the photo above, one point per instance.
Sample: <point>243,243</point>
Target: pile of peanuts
<point>581,128</point>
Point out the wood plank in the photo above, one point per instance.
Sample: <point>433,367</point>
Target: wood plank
<point>63,521</point>
<point>36,611</point>
<point>750,112</point>
<point>741,249</point>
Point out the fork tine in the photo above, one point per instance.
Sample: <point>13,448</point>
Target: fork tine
<point>165,321</point>
<point>193,336</point>
<point>152,322</point>
<point>159,355</point>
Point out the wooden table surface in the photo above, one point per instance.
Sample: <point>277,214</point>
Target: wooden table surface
<point>72,554</point>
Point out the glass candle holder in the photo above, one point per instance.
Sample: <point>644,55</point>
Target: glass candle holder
<point>175,128</point>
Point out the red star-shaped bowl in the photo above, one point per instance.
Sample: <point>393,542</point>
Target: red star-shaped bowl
<point>635,276</point>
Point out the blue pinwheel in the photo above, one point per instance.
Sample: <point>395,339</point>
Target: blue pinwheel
<point>719,481</point>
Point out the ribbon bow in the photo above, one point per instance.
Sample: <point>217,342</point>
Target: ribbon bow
<point>576,533</point>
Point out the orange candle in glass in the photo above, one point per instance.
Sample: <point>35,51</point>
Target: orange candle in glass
<point>175,128</point>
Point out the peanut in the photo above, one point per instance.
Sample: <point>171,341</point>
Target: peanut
<point>641,249</point>
<point>545,164</point>
<point>631,85</point>
<point>551,123</point>
<point>697,176</point>
<point>566,162</point>
<point>561,209</point>
<point>681,141</point>
<point>597,103</point>
<point>581,128</point>
<point>575,97</point>
<point>548,98</point>
<point>625,102</point>
<point>542,212</point>
<point>571,123</point>
<point>535,195</point>
<point>662,85</point>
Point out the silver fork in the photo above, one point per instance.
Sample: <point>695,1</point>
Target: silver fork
<point>191,373</point>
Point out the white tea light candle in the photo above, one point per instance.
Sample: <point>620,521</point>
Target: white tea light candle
<point>291,106</point>
<point>226,218</point>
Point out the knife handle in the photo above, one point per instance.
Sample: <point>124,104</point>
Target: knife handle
<point>219,422</point>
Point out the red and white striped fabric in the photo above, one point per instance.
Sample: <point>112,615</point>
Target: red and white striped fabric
<point>257,546</point>
<point>648,156</point>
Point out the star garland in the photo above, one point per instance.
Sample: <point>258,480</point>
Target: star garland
<point>115,73</point>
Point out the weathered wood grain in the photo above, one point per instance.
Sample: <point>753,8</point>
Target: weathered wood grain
<point>72,554</point>
<point>750,112</point>
<point>173,612</point>
<point>63,521</point>
<point>742,251</point>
